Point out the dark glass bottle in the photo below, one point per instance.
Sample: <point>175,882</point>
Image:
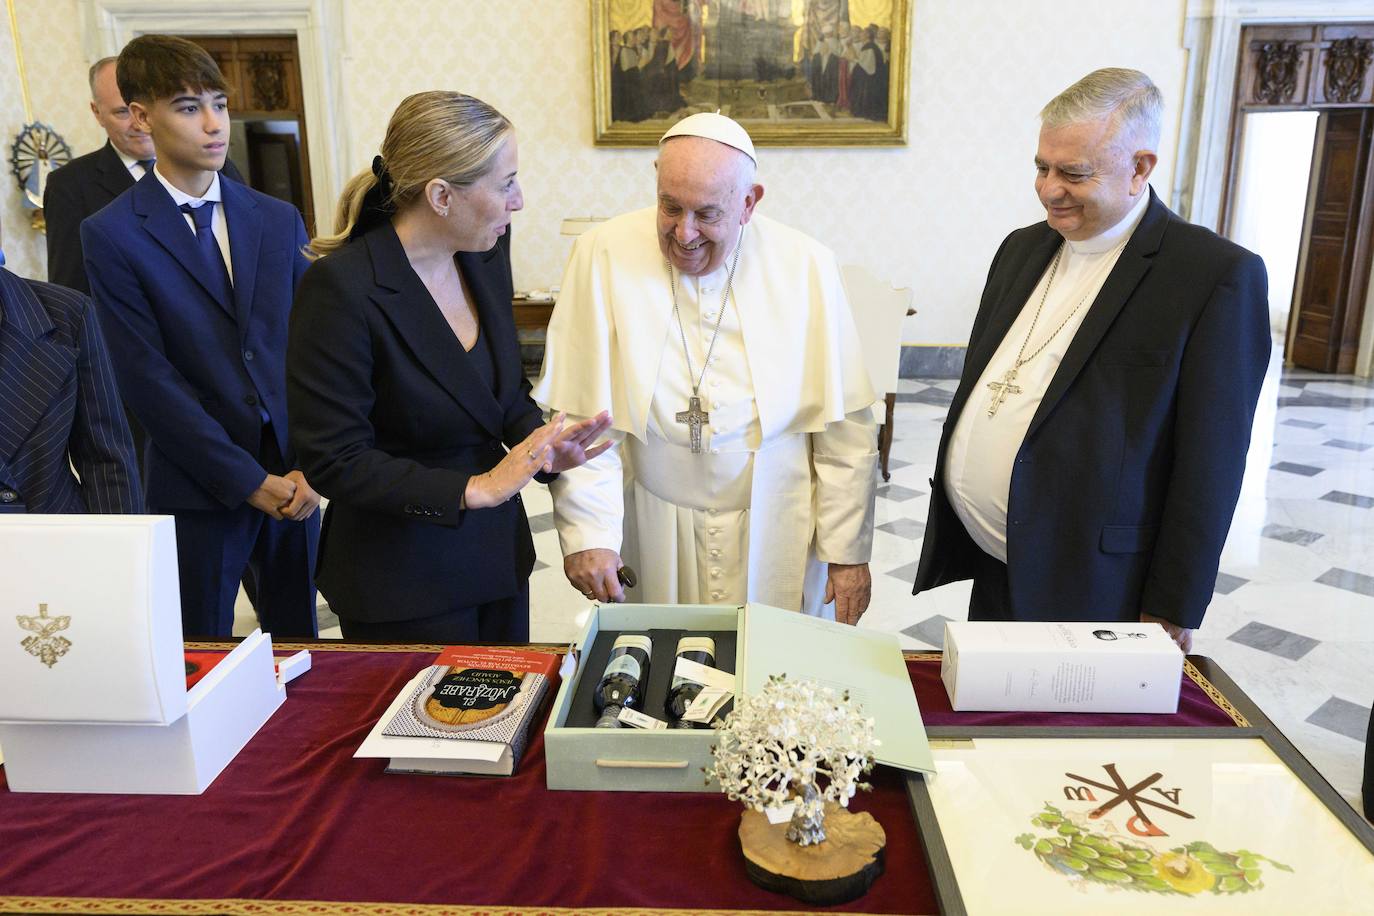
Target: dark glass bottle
<point>627,673</point>
<point>700,649</point>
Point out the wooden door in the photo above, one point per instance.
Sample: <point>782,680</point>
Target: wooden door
<point>1334,274</point>
<point>264,77</point>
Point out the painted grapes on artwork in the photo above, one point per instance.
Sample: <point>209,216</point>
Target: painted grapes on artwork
<point>1074,849</point>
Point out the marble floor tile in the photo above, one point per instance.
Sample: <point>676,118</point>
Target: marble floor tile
<point>905,573</point>
<point>1342,717</point>
<point>541,522</point>
<point>1304,424</point>
<point>325,619</point>
<point>1227,583</point>
<point>1349,499</point>
<point>1273,640</point>
<point>1348,445</point>
<point>1291,535</point>
<point>904,528</point>
<point>1347,388</point>
<point>931,630</point>
<point>1305,470</point>
<point>1349,580</point>
<point>897,492</point>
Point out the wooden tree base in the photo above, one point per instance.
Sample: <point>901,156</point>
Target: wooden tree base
<point>838,870</point>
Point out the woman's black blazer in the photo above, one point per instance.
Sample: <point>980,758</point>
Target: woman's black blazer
<point>389,419</point>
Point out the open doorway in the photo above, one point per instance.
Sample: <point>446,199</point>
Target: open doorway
<point>1271,199</point>
<point>267,140</point>
<point>1300,184</point>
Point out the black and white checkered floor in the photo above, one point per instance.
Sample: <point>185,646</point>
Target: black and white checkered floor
<point>1292,620</point>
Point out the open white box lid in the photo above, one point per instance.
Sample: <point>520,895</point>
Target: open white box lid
<point>866,663</point>
<point>100,593</point>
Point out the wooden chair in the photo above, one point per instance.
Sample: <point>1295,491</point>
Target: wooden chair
<point>879,310</point>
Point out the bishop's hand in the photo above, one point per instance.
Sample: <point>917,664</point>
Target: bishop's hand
<point>594,573</point>
<point>1181,635</point>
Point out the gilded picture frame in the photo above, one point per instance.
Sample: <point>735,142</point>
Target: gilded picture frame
<point>802,73</point>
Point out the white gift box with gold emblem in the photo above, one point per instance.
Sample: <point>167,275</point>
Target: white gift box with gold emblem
<point>93,691</point>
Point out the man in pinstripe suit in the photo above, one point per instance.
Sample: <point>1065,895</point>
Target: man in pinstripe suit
<point>59,408</point>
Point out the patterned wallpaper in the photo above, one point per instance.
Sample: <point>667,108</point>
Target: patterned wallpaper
<point>50,38</point>
<point>928,216</point>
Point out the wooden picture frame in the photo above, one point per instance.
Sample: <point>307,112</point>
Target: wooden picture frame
<point>793,72</point>
<point>1199,867</point>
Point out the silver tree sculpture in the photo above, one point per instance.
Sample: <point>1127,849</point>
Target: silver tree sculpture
<point>795,742</point>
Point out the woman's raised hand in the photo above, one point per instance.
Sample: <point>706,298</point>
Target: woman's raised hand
<point>573,447</point>
<point>515,470</point>
<point>551,447</point>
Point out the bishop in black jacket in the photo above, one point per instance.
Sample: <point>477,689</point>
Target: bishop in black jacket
<point>1124,477</point>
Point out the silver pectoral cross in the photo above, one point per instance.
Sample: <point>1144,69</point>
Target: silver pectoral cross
<point>694,417</point>
<point>1003,389</point>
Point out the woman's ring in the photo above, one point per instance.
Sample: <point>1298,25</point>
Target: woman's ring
<point>532,455</point>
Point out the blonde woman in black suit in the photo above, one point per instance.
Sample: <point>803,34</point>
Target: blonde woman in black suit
<point>409,407</point>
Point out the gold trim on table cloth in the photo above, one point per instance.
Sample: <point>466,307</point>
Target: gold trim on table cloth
<point>251,907</point>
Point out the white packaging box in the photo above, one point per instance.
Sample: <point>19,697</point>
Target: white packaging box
<point>105,708</point>
<point>1061,667</point>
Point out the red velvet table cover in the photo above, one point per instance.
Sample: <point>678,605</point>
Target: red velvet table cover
<point>296,825</point>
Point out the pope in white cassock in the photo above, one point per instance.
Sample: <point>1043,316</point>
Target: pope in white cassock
<point>722,344</point>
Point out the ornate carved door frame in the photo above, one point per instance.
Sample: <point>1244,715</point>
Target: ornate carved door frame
<point>1211,113</point>
<point>107,25</point>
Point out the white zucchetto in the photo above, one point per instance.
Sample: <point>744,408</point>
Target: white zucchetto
<point>713,126</point>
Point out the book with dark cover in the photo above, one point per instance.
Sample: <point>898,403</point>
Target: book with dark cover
<point>469,712</point>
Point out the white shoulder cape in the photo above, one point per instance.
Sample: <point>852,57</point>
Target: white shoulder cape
<point>608,332</point>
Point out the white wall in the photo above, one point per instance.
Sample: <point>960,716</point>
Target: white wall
<point>929,215</point>
<point>1271,198</point>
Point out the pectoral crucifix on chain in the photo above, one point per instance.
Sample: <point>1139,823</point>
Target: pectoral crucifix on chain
<point>1003,388</point>
<point>695,418</point>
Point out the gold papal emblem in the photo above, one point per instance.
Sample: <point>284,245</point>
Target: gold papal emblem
<point>45,645</point>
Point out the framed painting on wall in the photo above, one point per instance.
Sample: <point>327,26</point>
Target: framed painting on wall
<point>1134,820</point>
<point>793,72</point>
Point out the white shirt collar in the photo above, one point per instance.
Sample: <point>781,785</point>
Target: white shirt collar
<point>129,161</point>
<point>180,197</point>
<point>1109,239</point>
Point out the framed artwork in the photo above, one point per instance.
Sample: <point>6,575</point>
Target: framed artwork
<point>1134,820</point>
<point>793,72</point>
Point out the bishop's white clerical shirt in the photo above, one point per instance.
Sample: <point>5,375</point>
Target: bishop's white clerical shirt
<point>982,448</point>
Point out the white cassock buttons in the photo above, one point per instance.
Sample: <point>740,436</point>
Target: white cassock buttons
<point>715,572</point>
<point>717,595</point>
<point>715,553</point>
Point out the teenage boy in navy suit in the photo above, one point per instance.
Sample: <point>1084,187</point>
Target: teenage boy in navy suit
<point>193,278</point>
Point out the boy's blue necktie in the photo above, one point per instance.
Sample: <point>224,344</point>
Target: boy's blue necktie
<point>209,248</point>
